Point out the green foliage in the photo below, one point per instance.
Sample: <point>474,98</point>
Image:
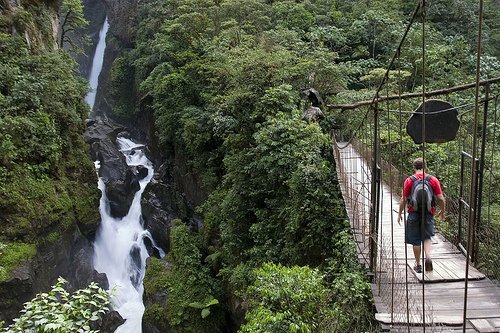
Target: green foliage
<point>156,281</point>
<point>61,312</point>
<point>292,16</point>
<point>352,306</point>
<point>192,291</point>
<point>122,87</point>
<point>47,182</point>
<point>12,254</point>
<point>72,19</point>
<point>204,307</point>
<point>33,138</point>
<point>283,299</point>
<point>224,81</point>
<point>349,288</point>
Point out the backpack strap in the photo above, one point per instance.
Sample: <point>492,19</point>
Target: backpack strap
<point>413,180</point>
<point>433,201</point>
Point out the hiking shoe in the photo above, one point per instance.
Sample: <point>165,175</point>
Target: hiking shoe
<point>428,265</point>
<point>418,268</point>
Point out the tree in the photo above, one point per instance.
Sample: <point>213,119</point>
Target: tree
<point>194,307</point>
<point>283,299</point>
<point>72,19</point>
<point>61,312</point>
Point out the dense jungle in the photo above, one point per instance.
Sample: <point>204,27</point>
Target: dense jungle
<point>244,202</point>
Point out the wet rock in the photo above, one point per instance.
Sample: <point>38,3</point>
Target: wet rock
<point>122,16</point>
<point>120,192</point>
<point>81,270</point>
<point>135,261</point>
<point>158,214</point>
<point>152,250</point>
<point>141,172</point>
<point>108,323</point>
<point>121,180</point>
<point>313,96</point>
<point>14,292</point>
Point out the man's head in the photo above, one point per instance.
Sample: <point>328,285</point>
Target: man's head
<point>419,164</point>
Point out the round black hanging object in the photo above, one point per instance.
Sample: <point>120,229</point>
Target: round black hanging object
<point>441,122</point>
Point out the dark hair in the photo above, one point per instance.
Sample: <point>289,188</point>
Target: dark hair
<point>419,164</point>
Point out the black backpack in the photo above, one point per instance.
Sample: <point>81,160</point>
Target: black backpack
<point>421,196</point>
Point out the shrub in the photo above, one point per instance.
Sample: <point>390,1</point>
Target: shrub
<point>61,312</point>
<point>287,299</point>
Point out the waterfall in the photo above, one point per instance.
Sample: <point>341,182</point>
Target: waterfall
<point>97,64</point>
<point>119,250</point>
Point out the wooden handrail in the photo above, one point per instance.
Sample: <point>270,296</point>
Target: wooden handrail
<point>413,95</point>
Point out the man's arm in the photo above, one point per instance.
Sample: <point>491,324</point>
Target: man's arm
<point>441,202</point>
<point>402,205</point>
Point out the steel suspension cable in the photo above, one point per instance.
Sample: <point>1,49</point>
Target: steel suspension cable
<point>472,196</point>
<point>402,166</point>
<point>391,206</point>
<point>492,155</point>
<point>423,6</point>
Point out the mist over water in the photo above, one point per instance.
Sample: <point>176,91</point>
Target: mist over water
<point>97,64</point>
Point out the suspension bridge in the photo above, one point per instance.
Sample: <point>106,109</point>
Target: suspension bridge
<point>462,292</point>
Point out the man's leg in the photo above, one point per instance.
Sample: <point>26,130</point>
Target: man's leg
<point>429,232</point>
<point>427,248</point>
<point>427,251</point>
<point>416,253</point>
<point>413,236</point>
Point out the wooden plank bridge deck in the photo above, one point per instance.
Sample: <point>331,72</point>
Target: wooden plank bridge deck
<point>398,291</point>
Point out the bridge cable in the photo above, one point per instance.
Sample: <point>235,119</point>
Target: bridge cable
<point>423,220</point>
<point>491,168</point>
<point>390,203</point>
<point>401,168</point>
<point>472,198</point>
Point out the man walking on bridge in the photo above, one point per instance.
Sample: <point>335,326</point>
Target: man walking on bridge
<point>421,193</point>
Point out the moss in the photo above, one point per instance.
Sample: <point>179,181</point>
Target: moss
<point>155,282</point>
<point>33,205</point>
<point>22,19</point>
<point>5,22</point>
<point>52,238</point>
<point>12,255</point>
<point>156,314</point>
<point>156,278</point>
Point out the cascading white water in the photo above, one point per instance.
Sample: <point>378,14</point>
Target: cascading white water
<point>119,250</point>
<point>97,64</point>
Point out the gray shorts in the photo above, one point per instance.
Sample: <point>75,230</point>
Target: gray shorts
<point>415,232</point>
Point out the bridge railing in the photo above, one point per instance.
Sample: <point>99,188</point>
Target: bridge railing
<point>393,160</point>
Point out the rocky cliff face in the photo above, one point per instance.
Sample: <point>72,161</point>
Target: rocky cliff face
<point>40,34</point>
<point>70,257</point>
<point>68,253</point>
<point>121,15</point>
